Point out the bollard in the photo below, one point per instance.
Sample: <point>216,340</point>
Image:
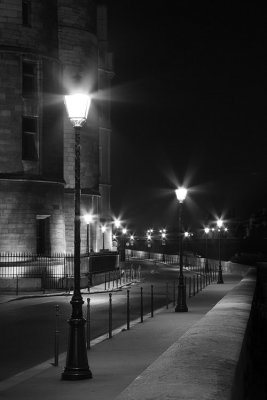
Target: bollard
<point>189,290</point>
<point>110,317</point>
<point>67,283</point>
<point>128,309</point>
<point>152,302</point>
<point>167,295</point>
<point>17,285</point>
<point>173,293</point>
<point>56,337</point>
<point>141,306</point>
<point>43,276</point>
<point>88,328</point>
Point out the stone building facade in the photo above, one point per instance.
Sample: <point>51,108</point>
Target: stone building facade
<point>44,47</point>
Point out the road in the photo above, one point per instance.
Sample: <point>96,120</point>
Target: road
<point>27,326</point>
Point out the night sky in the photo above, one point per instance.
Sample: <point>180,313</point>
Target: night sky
<point>188,107</point>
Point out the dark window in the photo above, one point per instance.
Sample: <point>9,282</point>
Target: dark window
<point>29,79</point>
<point>29,139</point>
<point>26,12</point>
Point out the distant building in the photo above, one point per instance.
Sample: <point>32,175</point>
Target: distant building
<point>44,46</point>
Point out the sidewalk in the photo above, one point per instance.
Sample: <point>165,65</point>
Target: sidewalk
<point>116,362</point>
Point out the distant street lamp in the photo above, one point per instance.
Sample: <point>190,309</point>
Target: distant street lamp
<point>206,230</point>
<point>220,277</point>
<point>124,231</point>
<point>88,219</point>
<point>181,300</point>
<point>77,367</point>
<point>103,230</point>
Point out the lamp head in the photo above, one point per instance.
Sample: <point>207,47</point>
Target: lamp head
<point>181,193</point>
<point>88,218</point>
<point>77,106</point>
<point>117,223</point>
<point>219,223</point>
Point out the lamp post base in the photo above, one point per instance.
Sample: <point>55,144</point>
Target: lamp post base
<point>181,301</point>
<point>77,367</point>
<point>220,277</point>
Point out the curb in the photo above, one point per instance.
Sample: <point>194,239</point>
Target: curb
<point>34,296</point>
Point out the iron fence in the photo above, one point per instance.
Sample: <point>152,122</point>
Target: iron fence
<point>51,272</point>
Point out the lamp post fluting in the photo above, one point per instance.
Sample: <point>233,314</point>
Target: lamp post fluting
<point>220,277</point>
<point>77,367</point>
<point>181,305</point>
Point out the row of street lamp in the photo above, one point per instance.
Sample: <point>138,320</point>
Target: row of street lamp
<point>77,366</point>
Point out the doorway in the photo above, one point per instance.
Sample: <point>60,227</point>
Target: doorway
<point>43,244</point>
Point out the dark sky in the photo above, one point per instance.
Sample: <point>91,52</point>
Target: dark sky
<point>188,107</point>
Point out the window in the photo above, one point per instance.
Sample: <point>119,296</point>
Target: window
<point>29,139</point>
<point>26,12</point>
<point>29,79</point>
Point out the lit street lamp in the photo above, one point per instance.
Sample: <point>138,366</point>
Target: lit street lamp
<point>220,277</point>
<point>77,367</point>
<point>181,300</point>
<point>103,230</point>
<point>88,219</point>
<point>206,230</point>
<point>124,231</point>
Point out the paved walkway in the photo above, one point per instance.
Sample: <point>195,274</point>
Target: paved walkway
<point>116,362</point>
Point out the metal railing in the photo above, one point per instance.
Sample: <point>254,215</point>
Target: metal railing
<point>55,271</point>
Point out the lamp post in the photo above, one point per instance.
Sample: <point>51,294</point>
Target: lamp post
<point>103,230</point>
<point>220,277</point>
<point>206,230</point>
<point>163,242</point>
<point>88,219</point>
<point>77,367</point>
<point>181,300</point>
<point>124,231</point>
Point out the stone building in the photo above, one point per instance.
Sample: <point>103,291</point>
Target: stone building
<point>44,47</point>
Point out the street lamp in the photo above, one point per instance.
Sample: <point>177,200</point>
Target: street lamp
<point>181,300</point>
<point>88,219</point>
<point>103,230</point>
<point>219,226</point>
<point>206,230</point>
<point>77,367</point>
<point>123,242</point>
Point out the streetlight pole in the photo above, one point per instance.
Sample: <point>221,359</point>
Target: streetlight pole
<point>206,253</point>
<point>181,305</point>
<point>124,231</point>
<point>220,277</point>
<point>88,219</point>
<point>76,362</point>
<point>103,229</point>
